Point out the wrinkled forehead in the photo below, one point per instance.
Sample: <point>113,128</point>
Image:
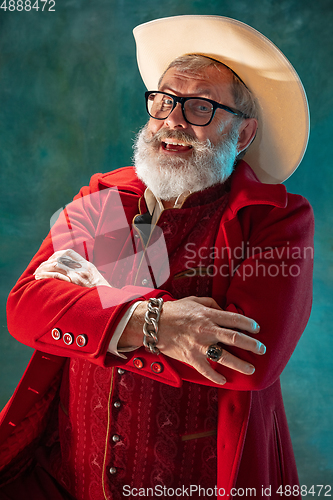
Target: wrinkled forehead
<point>199,64</point>
<point>211,82</point>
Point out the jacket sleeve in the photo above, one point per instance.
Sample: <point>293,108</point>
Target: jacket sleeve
<point>272,285</point>
<point>85,318</point>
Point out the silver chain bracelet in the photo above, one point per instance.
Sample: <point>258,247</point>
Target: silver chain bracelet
<point>150,327</point>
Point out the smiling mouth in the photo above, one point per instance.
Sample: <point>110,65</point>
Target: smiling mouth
<point>176,147</point>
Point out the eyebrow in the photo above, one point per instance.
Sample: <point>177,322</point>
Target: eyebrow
<point>200,92</point>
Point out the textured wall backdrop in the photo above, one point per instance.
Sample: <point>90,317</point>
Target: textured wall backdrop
<point>71,100</point>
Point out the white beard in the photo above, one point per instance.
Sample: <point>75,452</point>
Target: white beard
<point>168,177</point>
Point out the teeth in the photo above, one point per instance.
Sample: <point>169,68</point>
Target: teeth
<point>176,143</point>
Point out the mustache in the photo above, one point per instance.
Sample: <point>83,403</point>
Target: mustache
<point>177,135</point>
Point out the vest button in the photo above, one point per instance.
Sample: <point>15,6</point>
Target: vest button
<point>56,334</point>
<point>117,404</point>
<point>156,367</point>
<point>138,363</point>
<point>115,438</point>
<point>121,371</point>
<point>112,470</point>
<point>68,338</point>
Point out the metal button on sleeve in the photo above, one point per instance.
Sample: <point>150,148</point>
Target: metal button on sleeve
<point>144,282</point>
<point>156,367</point>
<point>112,470</point>
<point>68,338</point>
<point>117,404</point>
<point>81,340</point>
<point>115,438</point>
<point>56,334</point>
<point>138,363</point>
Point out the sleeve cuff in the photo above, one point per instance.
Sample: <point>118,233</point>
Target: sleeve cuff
<point>113,345</point>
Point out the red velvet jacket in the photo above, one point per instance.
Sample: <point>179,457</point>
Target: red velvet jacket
<point>272,284</point>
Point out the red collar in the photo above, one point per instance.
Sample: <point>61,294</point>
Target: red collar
<point>246,189</point>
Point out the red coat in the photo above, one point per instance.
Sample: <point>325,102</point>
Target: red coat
<point>273,286</point>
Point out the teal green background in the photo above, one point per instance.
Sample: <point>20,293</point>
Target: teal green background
<point>71,100</point>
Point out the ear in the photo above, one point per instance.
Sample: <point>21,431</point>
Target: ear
<point>247,133</point>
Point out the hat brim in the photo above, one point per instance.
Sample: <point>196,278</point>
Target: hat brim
<point>284,123</point>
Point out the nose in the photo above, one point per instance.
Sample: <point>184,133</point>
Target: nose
<point>176,119</point>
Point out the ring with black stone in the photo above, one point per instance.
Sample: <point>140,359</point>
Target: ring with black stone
<point>214,352</point>
<point>72,264</point>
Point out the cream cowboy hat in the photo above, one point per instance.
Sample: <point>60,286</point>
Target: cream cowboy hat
<point>283,108</point>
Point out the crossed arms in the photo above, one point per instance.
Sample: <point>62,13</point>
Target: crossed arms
<point>187,326</point>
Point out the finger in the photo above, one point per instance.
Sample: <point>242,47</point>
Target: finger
<point>59,271</point>
<point>208,372</point>
<point>233,320</point>
<point>74,255</point>
<point>50,263</point>
<point>61,267</point>
<point>45,275</point>
<point>207,301</point>
<point>56,256</point>
<point>43,265</point>
<point>67,261</point>
<point>52,267</point>
<point>77,279</point>
<point>71,259</point>
<point>230,361</point>
<point>238,339</point>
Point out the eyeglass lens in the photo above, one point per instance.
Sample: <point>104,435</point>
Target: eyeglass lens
<point>197,111</point>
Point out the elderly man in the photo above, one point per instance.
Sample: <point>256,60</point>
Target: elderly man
<point>168,297</point>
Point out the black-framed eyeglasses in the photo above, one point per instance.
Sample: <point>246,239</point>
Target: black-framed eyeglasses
<point>197,111</point>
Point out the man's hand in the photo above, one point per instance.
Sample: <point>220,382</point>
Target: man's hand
<point>189,326</point>
<point>68,265</point>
